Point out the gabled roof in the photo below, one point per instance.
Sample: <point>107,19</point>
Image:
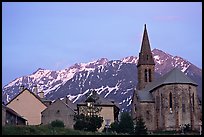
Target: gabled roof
<point>175,76</point>
<point>12,111</point>
<point>30,92</point>
<point>97,99</point>
<point>62,101</point>
<point>69,103</point>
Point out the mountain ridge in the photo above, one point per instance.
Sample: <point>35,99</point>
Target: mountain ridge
<point>114,79</point>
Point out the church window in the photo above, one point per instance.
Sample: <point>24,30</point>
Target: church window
<point>145,75</point>
<point>183,104</point>
<point>147,57</point>
<point>150,78</point>
<point>170,101</point>
<point>193,101</point>
<point>183,108</point>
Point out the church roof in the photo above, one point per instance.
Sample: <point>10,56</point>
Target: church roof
<point>145,55</point>
<point>145,96</point>
<point>175,76</point>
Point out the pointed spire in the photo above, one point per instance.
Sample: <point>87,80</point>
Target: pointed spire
<point>145,55</point>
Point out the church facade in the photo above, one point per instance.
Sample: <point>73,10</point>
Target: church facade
<point>166,103</point>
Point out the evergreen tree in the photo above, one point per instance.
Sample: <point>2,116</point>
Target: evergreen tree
<point>140,128</point>
<point>126,124</point>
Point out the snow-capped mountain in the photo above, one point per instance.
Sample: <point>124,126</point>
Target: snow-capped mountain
<point>115,79</point>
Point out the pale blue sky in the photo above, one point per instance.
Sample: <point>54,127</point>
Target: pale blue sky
<point>57,35</point>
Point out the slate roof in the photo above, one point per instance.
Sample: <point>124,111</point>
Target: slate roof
<point>12,111</point>
<point>145,55</point>
<point>36,96</point>
<point>97,99</point>
<point>175,76</point>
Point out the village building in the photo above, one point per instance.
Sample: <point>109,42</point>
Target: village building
<point>97,105</point>
<point>63,110</point>
<point>10,117</point>
<point>28,105</point>
<point>167,103</point>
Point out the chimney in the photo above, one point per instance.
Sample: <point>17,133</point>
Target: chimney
<point>41,94</point>
<point>21,88</point>
<point>35,90</point>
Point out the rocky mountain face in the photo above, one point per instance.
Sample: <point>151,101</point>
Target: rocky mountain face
<point>115,79</point>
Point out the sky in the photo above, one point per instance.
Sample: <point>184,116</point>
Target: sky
<point>55,36</point>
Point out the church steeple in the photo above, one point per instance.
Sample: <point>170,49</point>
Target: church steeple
<point>145,65</point>
<point>145,55</point>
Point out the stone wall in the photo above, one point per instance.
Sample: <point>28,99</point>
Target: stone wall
<point>183,110</point>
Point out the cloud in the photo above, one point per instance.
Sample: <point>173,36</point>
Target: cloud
<point>167,18</point>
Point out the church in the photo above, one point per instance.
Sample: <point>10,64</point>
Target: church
<point>166,103</point>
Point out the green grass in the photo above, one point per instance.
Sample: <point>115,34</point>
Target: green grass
<point>45,130</point>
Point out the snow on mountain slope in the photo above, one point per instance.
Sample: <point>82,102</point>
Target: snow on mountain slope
<point>115,79</point>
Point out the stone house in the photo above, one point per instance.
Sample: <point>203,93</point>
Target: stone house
<point>63,110</point>
<point>10,117</point>
<point>105,108</point>
<point>168,102</point>
<point>28,105</point>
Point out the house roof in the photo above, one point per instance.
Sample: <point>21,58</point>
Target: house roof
<point>30,92</point>
<point>97,99</point>
<point>63,102</point>
<point>12,111</point>
<point>175,76</point>
<point>69,103</point>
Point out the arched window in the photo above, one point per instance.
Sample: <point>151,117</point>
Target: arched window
<point>193,101</point>
<point>170,101</point>
<point>150,78</point>
<point>147,57</point>
<point>183,103</point>
<point>145,75</point>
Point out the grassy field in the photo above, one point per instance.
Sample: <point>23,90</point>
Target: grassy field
<point>49,130</point>
<point>44,130</point>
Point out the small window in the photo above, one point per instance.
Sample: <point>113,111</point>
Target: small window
<point>193,103</point>
<point>170,101</point>
<point>183,104</point>
<point>150,78</point>
<point>183,108</point>
<point>58,111</point>
<point>147,57</point>
<point>145,75</point>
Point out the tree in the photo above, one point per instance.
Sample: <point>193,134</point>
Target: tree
<point>88,123</point>
<point>140,128</point>
<point>114,126</point>
<point>89,119</point>
<point>126,124</point>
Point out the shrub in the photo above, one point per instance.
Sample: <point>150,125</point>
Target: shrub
<point>57,123</point>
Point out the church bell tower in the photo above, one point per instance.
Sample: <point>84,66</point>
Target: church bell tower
<point>145,65</point>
